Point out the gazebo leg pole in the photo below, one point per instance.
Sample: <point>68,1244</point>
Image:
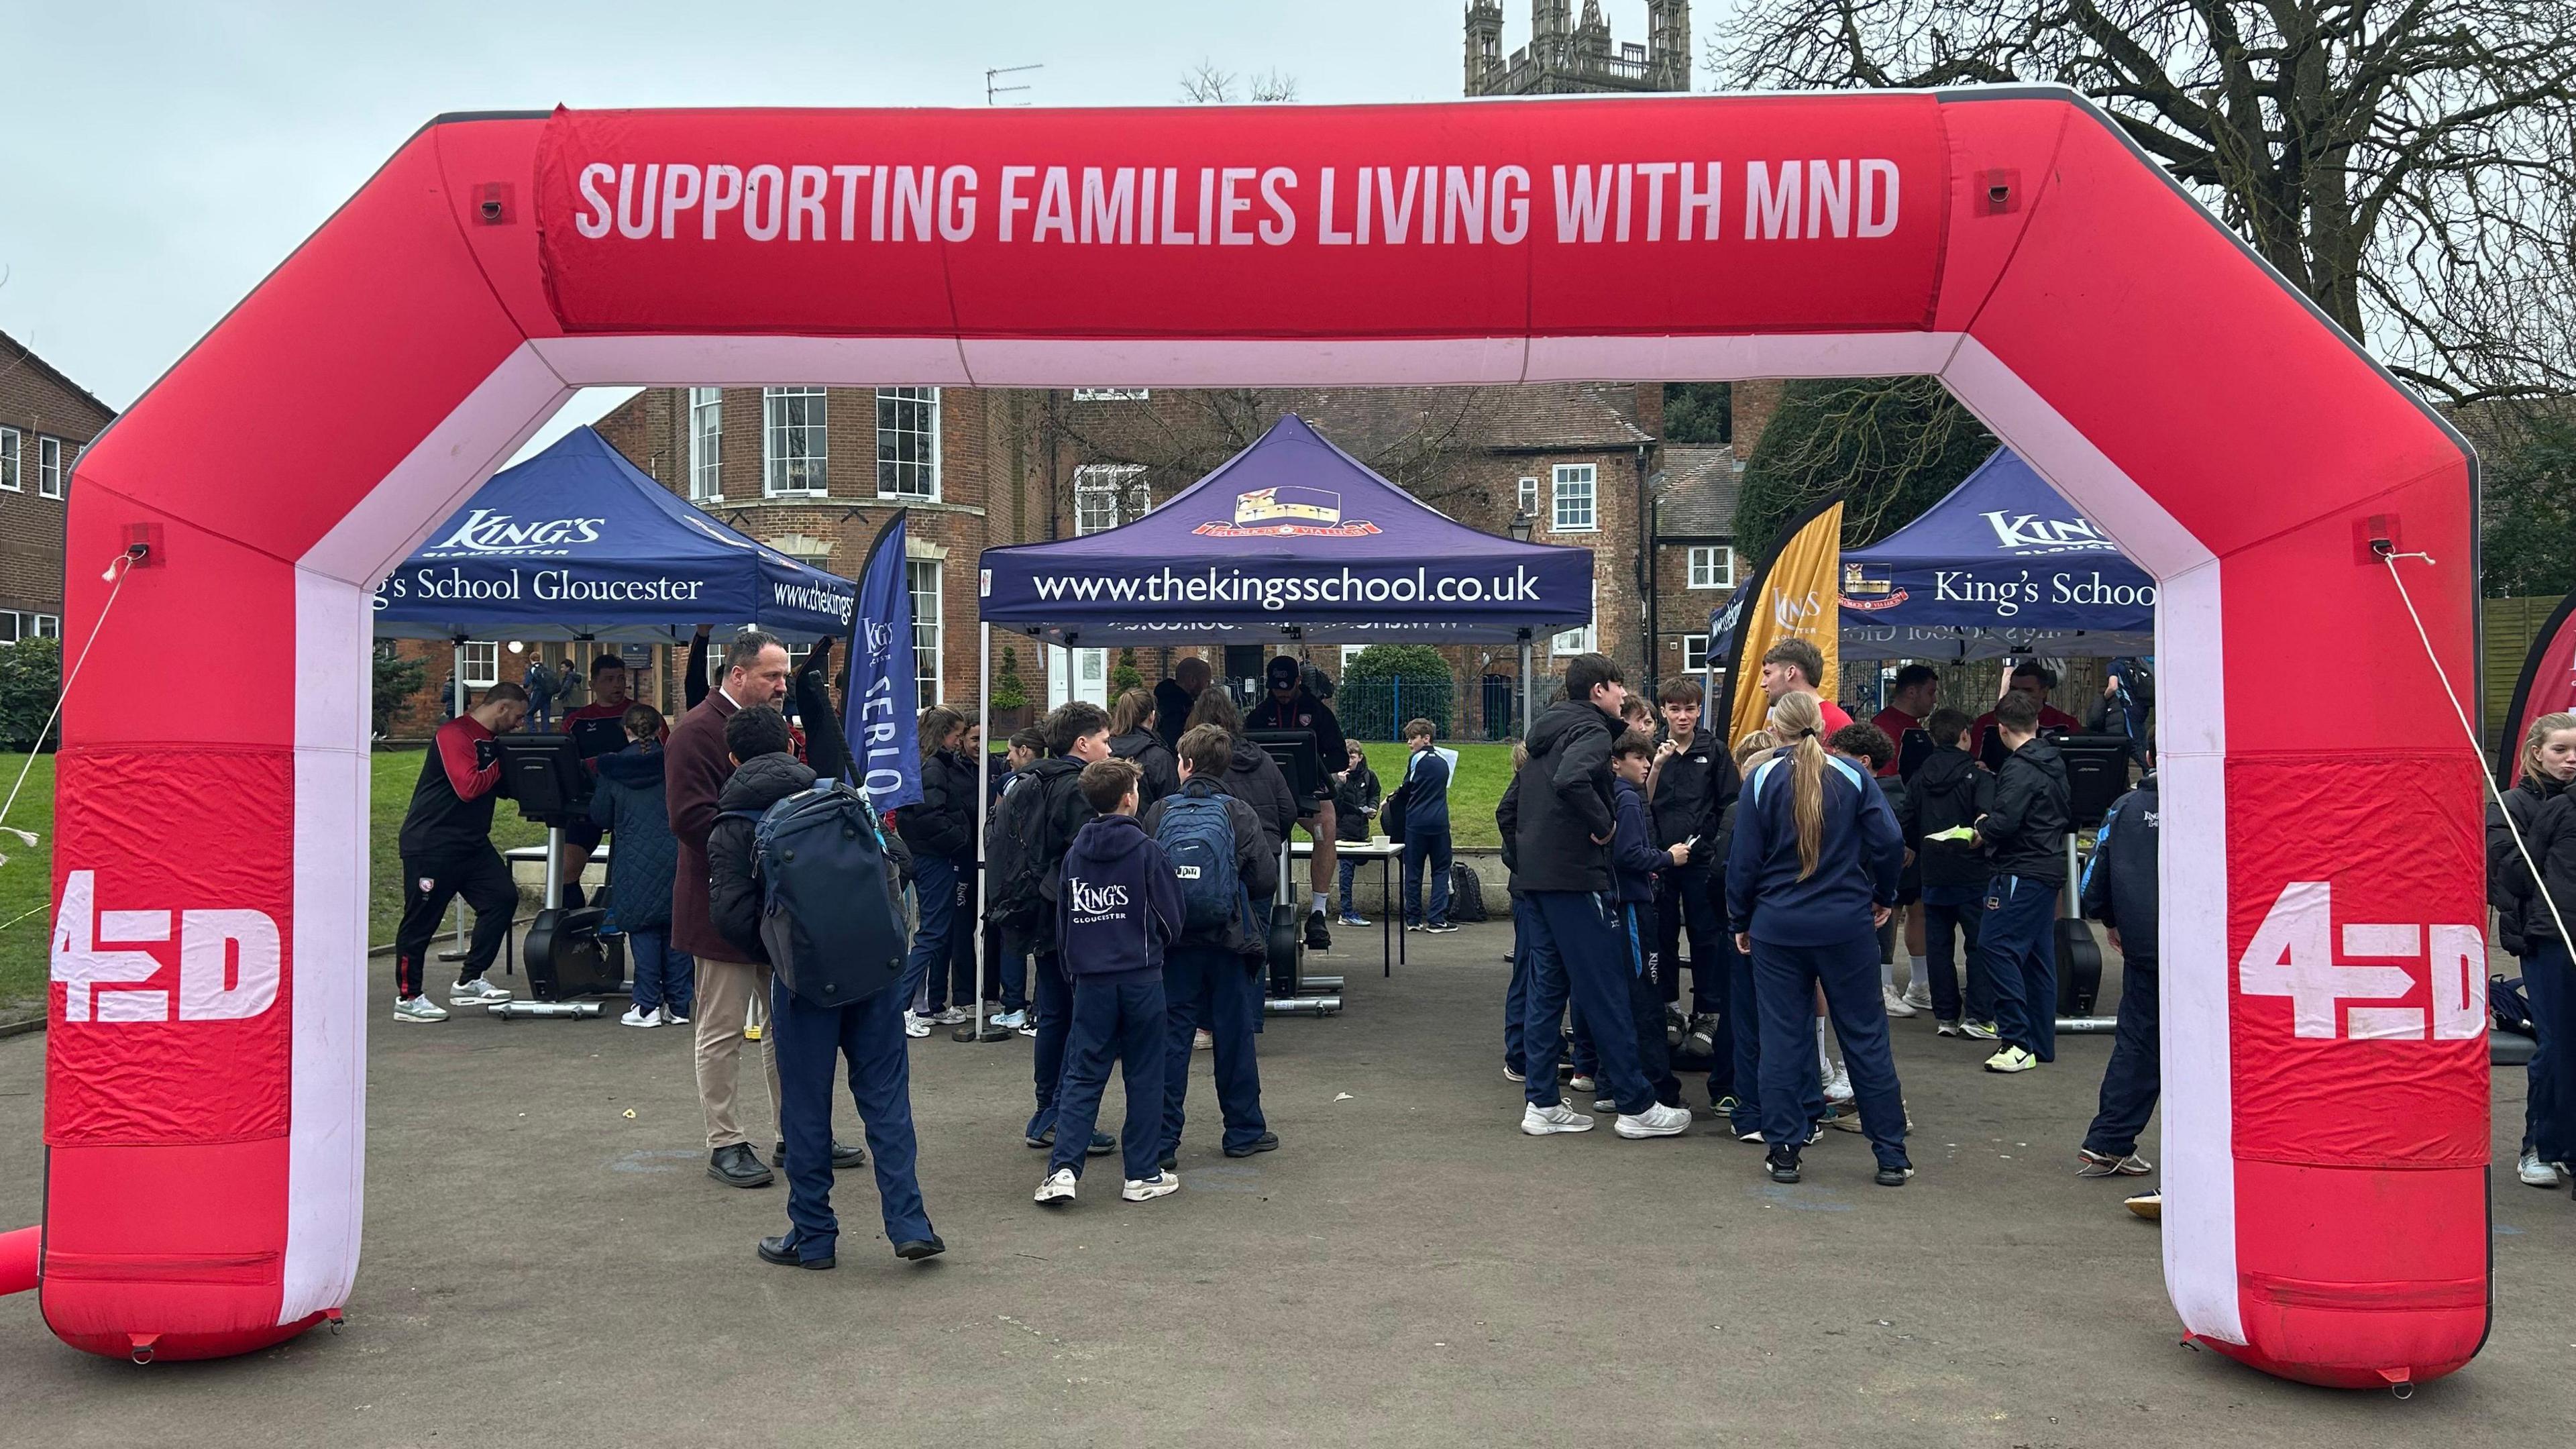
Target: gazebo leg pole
<point>983,805</point>
<point>1525,684</point>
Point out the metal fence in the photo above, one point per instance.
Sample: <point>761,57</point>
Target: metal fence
<point>1376,709</point>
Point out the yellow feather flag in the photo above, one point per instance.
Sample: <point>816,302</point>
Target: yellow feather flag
<point>1791,596</point>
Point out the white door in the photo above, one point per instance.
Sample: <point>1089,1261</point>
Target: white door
<point>1091,676</point>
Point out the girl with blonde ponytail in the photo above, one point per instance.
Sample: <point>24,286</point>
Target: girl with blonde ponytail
<point>1810,875</point>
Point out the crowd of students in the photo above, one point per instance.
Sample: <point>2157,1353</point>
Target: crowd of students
<point>1785,861</point>
<point>1128,884</point>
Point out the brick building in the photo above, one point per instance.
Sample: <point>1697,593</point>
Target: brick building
<point>45,421</point>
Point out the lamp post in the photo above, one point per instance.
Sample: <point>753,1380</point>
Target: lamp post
<point>1522,524</point>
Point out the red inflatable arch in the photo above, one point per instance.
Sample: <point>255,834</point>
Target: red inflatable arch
<point>2325,1074</point>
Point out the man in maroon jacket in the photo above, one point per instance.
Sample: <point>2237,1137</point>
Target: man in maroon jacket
<point>695,768</point>
<point>446,846</point>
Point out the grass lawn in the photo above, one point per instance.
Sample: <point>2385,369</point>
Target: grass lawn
<point>26,880</point>
<point>1483,771</point>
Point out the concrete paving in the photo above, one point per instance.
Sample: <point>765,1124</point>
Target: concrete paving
<point>543,1267</point>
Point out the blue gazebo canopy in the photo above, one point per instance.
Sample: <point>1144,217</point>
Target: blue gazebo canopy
<point>2004,564</point>
<point>577,543</point>
<point>1292,538</point>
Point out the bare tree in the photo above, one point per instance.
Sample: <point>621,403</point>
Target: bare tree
<point>2409,164</point>
<point>1205,85</point>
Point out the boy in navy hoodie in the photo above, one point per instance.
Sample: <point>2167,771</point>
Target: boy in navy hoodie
<point>1118,908</point>
<point>1635,862</point>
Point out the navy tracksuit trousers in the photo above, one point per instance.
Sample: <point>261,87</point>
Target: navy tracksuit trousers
<point>2017,943</point>
<point>1686,900</point>
<point>1121,1022</point>
<point>1526,945</point>
<point>1212,987</point>
<point>1951,915</point>
<point>1744,1027</point>
<point>1785,980</point>
<point>811,1040</point>
<point>1648,973</point>
<point>2130,1083</point>
<point>2548,1127</point>
<point>1052,1000</point>
<point>1588,950</point>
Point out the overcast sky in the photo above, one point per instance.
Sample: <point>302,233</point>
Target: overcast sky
<point>158,160</point>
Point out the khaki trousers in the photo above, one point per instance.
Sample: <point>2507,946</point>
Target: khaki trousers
<point>725,993</point>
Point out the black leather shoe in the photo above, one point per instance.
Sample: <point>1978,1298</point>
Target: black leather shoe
<point>781,1250</point>
<point>735,1166</point>
<point>1266,1142</point>
<point>913,1250</point>
<point>844,1156</point>
<point>1318,937</point>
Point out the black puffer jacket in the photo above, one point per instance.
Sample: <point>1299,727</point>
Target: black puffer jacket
<point>2025,828</point>
<point>943,824</point>
<point>1162,773</point>
<point>733,897</point>
<point>1354,801</point>
<point>1255,779</point>
<point>2522,918</point>
<point>1948,791</point>
<point>1564,804</point>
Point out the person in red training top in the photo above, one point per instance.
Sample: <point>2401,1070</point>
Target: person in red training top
<point>1794,666</point>
<point>1918,689</point>
<point>2034,679</point>
<point>446,846</point>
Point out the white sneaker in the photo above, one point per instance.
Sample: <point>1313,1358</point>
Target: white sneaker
<point>1162,1184</point>
<point>418,1008</point>
<point>1058,1188</point>
<point>1838,1088</point>
<point>1655,1121</point>
<point>477,992</point>
<point>2534,1172</point>
<point>1918,994</point>
<point>1514,1074</point>
<point>1979,1031</point>
<point>2011,1059</point>
<point>1579,1084</point>
<point>634,1017</point>
<point>915,1026</point>
<point>1545,1121</point>
<point>1897,1005</point>
<point>673,1016</point>
<point>953,1016</point>
<point>1009,1020</point>
<point>1026,1028</point>
<point>1202,1040</point>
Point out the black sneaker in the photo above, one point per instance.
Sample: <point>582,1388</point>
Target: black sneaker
<point>735,1166</point>
<point>781,1250</point>
<point>1783,1165</point>
<point>1266,1142</point>
<point>1102,1144</point>
<point>1169,1161</point>
<point>1439,928</point>
<point>1894,1176</point>
<point>1318,936</point>
<point>913,1250</point>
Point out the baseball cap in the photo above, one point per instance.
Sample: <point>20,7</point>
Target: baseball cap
<point>1283,670</point>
